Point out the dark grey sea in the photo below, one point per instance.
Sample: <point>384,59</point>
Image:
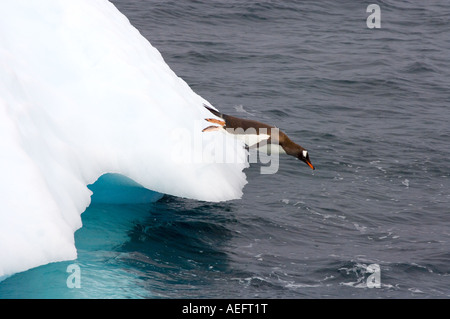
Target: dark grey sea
<point>371,105</point>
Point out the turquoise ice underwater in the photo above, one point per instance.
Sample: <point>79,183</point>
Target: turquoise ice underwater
<point>117,205</point>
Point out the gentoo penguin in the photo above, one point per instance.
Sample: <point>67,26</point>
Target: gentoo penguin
<point>255,134</point>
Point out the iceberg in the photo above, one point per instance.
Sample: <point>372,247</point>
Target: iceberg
<point>84,94</point>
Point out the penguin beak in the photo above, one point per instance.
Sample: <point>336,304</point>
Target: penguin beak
<point>309,164</point>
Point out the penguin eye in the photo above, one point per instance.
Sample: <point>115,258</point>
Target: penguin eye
<point>305,153</point>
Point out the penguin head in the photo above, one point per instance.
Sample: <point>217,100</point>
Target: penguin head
<point>304,157</point>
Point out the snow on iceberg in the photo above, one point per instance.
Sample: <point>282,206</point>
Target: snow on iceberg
<point>82,94</point>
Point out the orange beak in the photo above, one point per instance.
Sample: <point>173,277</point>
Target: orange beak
<point>309,164</point>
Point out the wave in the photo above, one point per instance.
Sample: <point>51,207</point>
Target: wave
<point>83,94</point>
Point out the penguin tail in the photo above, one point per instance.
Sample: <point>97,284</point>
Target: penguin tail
<point>216,113</point>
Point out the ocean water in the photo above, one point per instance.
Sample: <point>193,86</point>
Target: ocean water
<point>372,108</point>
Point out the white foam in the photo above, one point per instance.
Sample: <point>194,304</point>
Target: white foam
<point>82,93</point>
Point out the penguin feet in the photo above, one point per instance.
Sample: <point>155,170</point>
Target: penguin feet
<point>211,128</point>
<point>216,121</point>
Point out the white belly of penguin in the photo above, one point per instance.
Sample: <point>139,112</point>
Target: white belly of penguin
<point>257,142</point>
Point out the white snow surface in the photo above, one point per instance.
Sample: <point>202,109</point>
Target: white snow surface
<point>83,93</point>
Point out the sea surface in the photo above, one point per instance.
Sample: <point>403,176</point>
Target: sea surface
<point>371,105</point>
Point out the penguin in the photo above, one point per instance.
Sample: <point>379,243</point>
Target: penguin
<point>257,134</point>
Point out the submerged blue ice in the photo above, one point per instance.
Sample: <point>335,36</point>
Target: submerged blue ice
<point>118,189</point>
